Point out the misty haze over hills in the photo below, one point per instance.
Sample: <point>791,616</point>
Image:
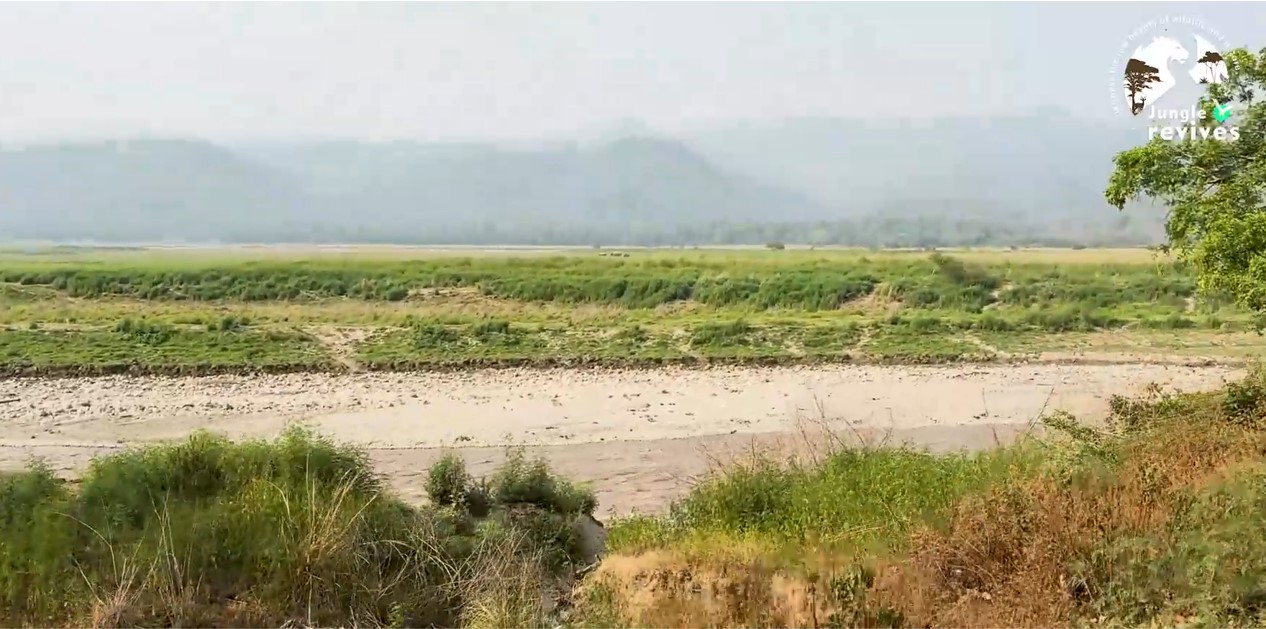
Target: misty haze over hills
<point>666,123</point>
<point>1034,179</point>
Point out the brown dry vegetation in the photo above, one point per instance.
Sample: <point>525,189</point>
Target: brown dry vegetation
<point>1156,520</point>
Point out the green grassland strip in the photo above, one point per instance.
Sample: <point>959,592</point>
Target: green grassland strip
<point>810,283</point>
<point>154,349</point>
<point>139,313</point>
<point>149,348</point>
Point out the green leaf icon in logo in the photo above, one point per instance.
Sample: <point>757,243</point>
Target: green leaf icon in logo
<point>1222,112</point>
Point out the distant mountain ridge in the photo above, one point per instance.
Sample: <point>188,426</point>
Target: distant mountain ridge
<point>153,189</point>
<point>158,189</point>
<point>632,178</point>
<point>1012,176</point>
<point>1022,165</point>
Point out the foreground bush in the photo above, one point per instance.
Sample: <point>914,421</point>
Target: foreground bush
<point>853,497</point>
<point>209,532</point>
<point>1156,519</point>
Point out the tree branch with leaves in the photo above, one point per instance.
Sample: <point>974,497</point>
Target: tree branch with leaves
<point>1215,190</point>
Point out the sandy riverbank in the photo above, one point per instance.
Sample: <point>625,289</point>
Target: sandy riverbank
<point>637,435</point>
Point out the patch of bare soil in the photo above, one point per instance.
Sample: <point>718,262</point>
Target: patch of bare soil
<point>341,343</point>
<point>879,301</point>
<point>989,349</point>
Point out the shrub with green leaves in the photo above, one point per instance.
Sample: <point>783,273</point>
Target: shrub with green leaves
<point>729,333</point>
<point>1245,401</point>
<point>433,335</point>
<point>447,480</point>
<point>147,332</point>
<point>520,481</point>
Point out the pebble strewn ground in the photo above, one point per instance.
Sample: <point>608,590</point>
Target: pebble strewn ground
<point>634,433</point>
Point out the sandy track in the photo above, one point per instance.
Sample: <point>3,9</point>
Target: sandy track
<point>637,435</point>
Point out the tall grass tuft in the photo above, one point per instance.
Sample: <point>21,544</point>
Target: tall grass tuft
<point>855,497</point>
<point>212,532</point>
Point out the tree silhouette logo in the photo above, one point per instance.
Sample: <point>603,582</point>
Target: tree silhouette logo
<point>1138,75</point>
<point>1213,65</point>
<point>1166,59</point>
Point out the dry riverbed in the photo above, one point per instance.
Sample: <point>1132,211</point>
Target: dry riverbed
<point>637,435</point>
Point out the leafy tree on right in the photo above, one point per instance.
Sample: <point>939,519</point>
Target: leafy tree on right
<point>1215,190</point>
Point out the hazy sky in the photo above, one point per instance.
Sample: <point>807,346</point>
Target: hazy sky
<point>431,71</point>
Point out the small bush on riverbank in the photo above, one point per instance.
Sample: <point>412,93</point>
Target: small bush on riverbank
<point>209,532</point>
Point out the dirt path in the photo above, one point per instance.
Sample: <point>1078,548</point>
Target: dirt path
<point>341,343</point>
<point>637,435</point>
<point>987,348</point>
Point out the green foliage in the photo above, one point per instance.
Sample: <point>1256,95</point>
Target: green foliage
<point>491,329</point>
<point>144,347</point>
<point>517,482</point>
<point>1159,520</point>
<point>551,533</point>
<point>1245,401</point>
<point>446,481</point>
<point>145,332</point>
<point>799,281</point>
<point>1215,190</point>
<point>521,495</point>
<point>732,332</point>
<point>34,540</point>
<point>522,482</point>
<point>661,307</point>
<point>1133,414</point>
<point>478,499</point>
<point>959,273</point>
<point>921,339</point>
<point>854,498</point>
<point>1069,318</point>
<point>433,335</point>
<point>300,527</point>
<point>230,323</point>
<point>634,333</point>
